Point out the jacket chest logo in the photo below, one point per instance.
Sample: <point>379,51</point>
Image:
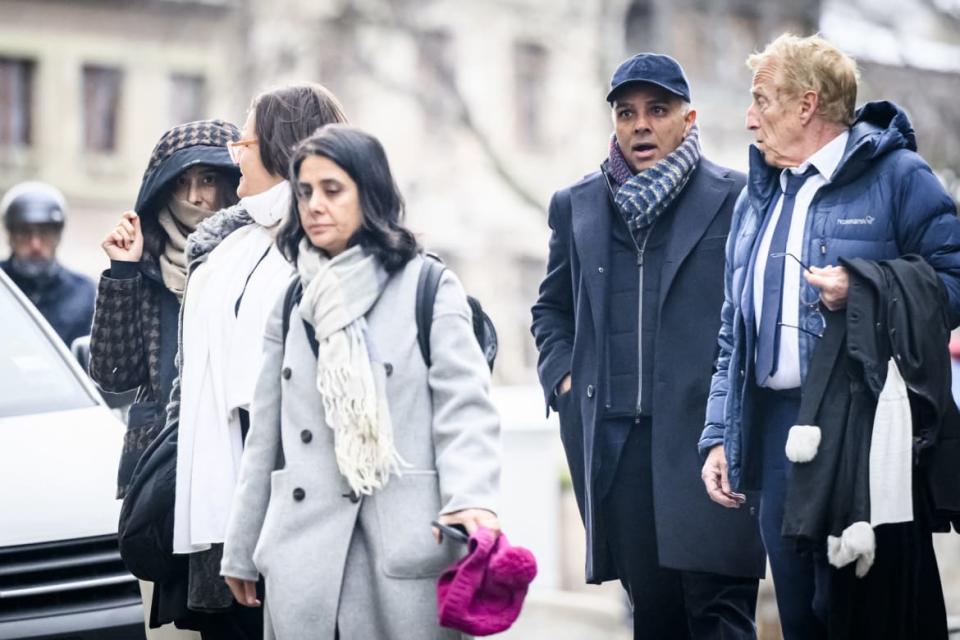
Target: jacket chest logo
<point>863,220</point>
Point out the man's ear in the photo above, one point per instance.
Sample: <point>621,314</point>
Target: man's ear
<point>807,106</point>
<point>688,121</point>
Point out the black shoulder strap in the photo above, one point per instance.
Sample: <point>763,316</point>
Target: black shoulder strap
<point>236,306</point>
<point>294,291</point>
<point>427,285</point>
<point>290,300</point>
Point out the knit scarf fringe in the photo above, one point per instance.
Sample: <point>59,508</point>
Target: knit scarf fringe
<point>337,295</point>
<point>364,448</point>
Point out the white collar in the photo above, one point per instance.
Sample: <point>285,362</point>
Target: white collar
<point>825,159</point>
<point>268,208</point>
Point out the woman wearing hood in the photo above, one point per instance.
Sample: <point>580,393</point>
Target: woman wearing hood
<point>189,177</point>
<point>235,273</point>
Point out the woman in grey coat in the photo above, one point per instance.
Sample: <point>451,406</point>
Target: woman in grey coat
<point>352,452</point>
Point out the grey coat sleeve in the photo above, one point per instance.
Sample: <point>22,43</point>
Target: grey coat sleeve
<point>252,494</point>
<point>466,425</point>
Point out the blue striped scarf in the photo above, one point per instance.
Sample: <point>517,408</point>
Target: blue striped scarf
<point>641,198</point>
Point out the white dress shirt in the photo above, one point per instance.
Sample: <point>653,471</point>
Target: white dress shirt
<point>826,159</point>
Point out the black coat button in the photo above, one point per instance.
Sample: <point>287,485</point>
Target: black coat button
<point>388,368</point>
<point>299,494</point>
<point>286,373</point>
<point>306,436</point>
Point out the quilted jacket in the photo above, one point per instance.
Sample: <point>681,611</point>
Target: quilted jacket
<point>882,202</point>
<point>134,335</point>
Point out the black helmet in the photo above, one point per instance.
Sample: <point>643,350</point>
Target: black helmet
<point>33,203</point>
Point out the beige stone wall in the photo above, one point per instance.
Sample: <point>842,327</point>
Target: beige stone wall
<point>148,42</point>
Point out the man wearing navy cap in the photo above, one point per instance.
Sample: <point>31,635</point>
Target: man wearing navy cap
<point>626,326</point>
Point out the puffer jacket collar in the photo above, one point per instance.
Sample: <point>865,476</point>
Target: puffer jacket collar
<point>878,128</point>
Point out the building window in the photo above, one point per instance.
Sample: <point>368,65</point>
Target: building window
<point>437,78</point>
<point>16,99</point>
<point>187,96</point>
<point>530,74</point>
<point>640,27</point>
<point>101,108</point>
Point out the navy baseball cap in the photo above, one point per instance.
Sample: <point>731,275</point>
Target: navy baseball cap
<point>654,68</point>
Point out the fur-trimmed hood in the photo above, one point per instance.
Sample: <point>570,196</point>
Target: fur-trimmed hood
<point>213,230</point>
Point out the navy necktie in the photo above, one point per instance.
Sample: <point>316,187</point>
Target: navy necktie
<point>768,342</point>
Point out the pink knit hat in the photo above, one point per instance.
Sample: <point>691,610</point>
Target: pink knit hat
<point>483,593</point>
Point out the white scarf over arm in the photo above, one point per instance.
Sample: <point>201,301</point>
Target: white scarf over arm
<point>222,354</point>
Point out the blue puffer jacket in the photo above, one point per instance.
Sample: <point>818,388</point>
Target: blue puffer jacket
<point>882,202</point>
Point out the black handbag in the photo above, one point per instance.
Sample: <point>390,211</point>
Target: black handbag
<point>145,529</point>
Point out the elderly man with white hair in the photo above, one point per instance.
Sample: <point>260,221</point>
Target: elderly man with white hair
<point>828,183</point>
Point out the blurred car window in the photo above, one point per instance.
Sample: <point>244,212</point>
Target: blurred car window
<point>34,378</point>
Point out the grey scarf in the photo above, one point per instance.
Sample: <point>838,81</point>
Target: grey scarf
<point>337,294</point>
<point>643,197</point>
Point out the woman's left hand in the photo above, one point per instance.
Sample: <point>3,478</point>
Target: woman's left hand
<point>471,519</point>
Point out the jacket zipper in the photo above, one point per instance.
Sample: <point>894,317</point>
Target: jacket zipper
<point>640,250</point>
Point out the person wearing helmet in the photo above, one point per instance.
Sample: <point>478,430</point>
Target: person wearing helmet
<point>34,215</point>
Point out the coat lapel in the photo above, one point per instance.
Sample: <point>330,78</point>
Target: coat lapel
<point>695,210</point>
<point>591,217</point>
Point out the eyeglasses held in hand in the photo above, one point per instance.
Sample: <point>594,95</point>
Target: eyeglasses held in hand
<point>805,300</point>
<point>784,254</point>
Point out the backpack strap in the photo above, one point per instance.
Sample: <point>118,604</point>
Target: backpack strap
<point>290,299</point>
<point>427,285</point>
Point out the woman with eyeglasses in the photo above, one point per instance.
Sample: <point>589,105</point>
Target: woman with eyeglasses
<point>234,275</point>
<point>190,176</point>
<point>375,444</point>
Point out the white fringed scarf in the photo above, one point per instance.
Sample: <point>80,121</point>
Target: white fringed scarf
<point>337,294</point>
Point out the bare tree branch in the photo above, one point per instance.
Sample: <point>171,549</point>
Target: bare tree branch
<point>352,18</point>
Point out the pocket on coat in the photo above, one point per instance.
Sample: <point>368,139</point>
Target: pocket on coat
<point>279,489</point>
<point>405,509</point>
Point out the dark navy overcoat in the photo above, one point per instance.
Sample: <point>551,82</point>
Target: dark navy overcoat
<point>569,320</point>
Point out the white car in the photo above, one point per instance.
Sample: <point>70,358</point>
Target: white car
<point>61,575</point>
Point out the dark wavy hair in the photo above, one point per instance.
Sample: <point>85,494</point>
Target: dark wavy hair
<point>283,117</point>
<point>362,157</point>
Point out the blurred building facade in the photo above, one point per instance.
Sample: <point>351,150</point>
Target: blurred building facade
<point>86,88</point>
<point>488,107</point>
<point>485,107</point>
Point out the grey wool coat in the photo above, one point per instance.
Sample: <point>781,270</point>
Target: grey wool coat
<point>369,564</point>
